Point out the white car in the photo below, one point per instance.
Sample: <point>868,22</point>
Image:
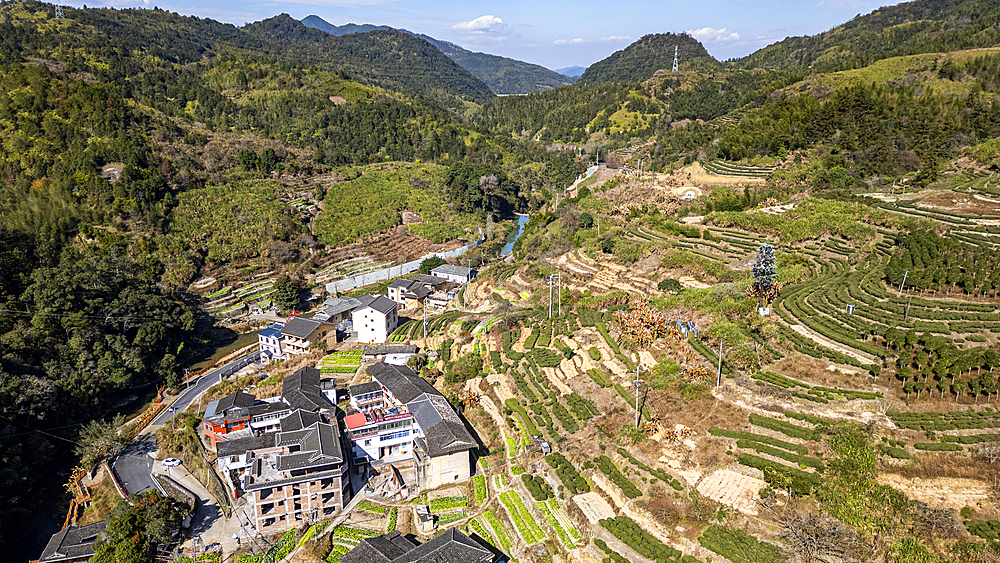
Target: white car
<point>171,462</point>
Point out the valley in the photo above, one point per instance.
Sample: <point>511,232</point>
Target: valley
<point>741,311</point>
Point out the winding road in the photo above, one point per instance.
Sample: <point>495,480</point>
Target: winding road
<point>134,466</point>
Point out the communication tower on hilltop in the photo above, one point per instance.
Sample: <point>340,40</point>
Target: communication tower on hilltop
<point>675,58</point>
<point>59,13</point>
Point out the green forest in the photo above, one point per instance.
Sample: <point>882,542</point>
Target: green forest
<point>142,150</point>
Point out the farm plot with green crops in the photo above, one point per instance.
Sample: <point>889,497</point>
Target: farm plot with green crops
<point>556,525</point>
<point>523,520</point>
<point>499,530</point>
<point>911,335</point>
<point>738,546</point>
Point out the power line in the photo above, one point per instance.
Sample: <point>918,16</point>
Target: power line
<point>91,317</point>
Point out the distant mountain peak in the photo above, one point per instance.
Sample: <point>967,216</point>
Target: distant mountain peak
<point>640,60</point>
<point>572,71</point>
<point>501,74</point>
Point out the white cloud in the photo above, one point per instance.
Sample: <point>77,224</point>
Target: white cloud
<point>616,39</point>
<point>576,41</point>
<point>712,34</point>
<point>481,25</point>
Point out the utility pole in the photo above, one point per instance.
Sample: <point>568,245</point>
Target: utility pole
<point>906,273</point>
<point>425,320</point>
<point>598,226</point>
<point>637,382</point>
<point>908,308</point>
<point>675,59</point>
<point>718,380</point>
<point>550,297</point>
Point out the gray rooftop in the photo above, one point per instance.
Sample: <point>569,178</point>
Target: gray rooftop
<point>241,446</point>
<point>299,419</point>
<point>452,546</point>
<point>72,543</point>
<point>364,388</point>
<point>237,399</point>
<point>380,303</point>
<point>319,446</point>
<point>300,328</point>
<point>337,305</point>
<point>383,349</point>
<point>444,432</point>
<point>404,383</point>
<point>452,270</point>
<point>301,390</point>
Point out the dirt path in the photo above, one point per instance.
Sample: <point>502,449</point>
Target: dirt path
<point>822,340</point>
<point>940,492</point>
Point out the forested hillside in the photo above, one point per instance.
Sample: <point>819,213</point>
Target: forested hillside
<point>640,60</point>
<point>924,26</point>
<point>501,74</point>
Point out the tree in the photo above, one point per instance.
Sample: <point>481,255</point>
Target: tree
<point>669,285</point>
<point>586,220</point>
<point>765,273</point>
<point>287,292</point>
<point>429,264</point>
<point>133,529</point>
<point>99,438</point>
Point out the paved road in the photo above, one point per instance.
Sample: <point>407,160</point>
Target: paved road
<point>134,465</point>
<point>200,386</point>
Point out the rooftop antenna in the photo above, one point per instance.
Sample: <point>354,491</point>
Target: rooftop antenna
<point>675,58</point>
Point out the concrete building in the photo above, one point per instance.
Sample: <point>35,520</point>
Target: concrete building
<point>410,293</point>
<point>270,343</point>
<point>455,274</point>
<point>452,546</point>
<point>239,414</point>
<point>337,309</point>
<point>375,319</point>
<point>298,334</point>
<point>399,419</point>
<point>295,476</point>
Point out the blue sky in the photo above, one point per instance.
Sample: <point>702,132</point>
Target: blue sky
<point>553,33</point>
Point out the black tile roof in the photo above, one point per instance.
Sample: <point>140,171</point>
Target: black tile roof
<point>301,390</point>
<point>383,349</point>
<point>404,383</point>
<point>319,446</point>
<point>444,432</point>
<point>364,388</point>
<point>300,328</point>
<point>72,543</point>
<point>380,303</point>
<point>268,408</point>
<point>237,399</point>
<point>240,446</point>
<point>452,546</point>
<point>429,280</point>
<point>299,419</point>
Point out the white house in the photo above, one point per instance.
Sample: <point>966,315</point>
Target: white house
<point>375,319</point>
<point>399,418</point>
<point>270,343</point>
<point>456,274</point>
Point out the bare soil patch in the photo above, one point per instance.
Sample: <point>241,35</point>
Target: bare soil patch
<point>965,204</point>
<point>594,507</point>
<point>732,489</point>
<point>940,492</point>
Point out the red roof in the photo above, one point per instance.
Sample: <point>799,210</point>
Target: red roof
<point>356,420</point>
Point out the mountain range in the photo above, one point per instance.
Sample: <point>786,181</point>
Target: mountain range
<point>503,75</point>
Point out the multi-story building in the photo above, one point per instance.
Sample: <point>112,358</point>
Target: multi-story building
<point>337,309</point>
<point>298,334</point>
<point>270,343</point>
<point>375,319</point>
<point>290,477</point>
<point>240,414</point>
<point>410,293</point>
<point>452,546</point>
<point>399,418</point>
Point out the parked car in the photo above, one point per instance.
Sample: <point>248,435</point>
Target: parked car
<point>171,462</point>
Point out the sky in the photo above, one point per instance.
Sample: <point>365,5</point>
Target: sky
<point>552,33</point>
